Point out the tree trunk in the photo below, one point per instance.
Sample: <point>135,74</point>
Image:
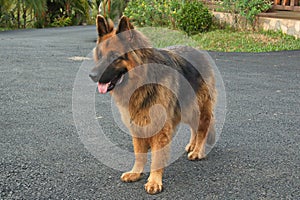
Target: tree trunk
<point>18,14</point>
<point>24,14</point>
<point>68,8</point>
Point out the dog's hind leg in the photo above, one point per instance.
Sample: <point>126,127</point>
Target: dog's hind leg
<point>196,147</point>
<point>140,151</point>
<point>211,137</point>
<point>191,145</point>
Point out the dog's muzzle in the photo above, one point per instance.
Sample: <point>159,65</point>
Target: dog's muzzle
<point>94,76</point>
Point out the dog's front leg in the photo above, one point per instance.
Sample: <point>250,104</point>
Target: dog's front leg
<point>160,149</point>
<point>140,151</point>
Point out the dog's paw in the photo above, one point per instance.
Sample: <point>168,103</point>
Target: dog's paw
<point>130,176</point>
<point>189,147</point>
<point>194,155</point>
<point>153,187</point>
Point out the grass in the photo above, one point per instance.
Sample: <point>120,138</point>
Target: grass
<point>163,37</point>
<point>224,40</point>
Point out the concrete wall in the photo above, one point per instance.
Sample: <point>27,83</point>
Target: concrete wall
<point>288,26</point>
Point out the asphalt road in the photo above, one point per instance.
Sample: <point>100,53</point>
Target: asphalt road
<point>42,156</point>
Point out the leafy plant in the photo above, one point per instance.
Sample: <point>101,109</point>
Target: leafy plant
<point>62,21</point>
<point>42,13</point>
<point>190,16</point>
<point>148,12</point>
<point>194,17</point>
<point>247,8</point>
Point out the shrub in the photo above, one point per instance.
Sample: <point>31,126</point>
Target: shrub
<point>148,12</point>
<point>193,17</point>
<point>39,23</point>
<point>7,21</point>
<point>62,21</point>
<point>190,16</point>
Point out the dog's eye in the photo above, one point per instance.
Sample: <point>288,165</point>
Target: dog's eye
<point>119,59</point>
<point>97,53</point>
<point>114,56</point>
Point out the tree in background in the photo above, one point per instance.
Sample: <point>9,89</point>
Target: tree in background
<point>33,8</point>
<point>68,12</point>
<point>41,13</point>
<point>45,13</point>
<point>7,17</point>
<point>116,11</point>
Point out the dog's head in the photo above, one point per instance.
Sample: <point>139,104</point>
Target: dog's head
<point>114,53</point>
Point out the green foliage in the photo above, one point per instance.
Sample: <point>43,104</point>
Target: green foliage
<point>117,8</point>
<point>43,13</point>
<point>190,16</point>
<point>194,17</point>
<point>224,40</point>
<point>230,40</point>
<point>39,23</point>
<point>7,19</point>
<point>62,21</point>
<point>148,12</point>
<point>116,11</point>
<point>162,37</point>
<point>247,8</point>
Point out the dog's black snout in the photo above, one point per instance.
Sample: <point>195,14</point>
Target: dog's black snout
<point>94,76</point>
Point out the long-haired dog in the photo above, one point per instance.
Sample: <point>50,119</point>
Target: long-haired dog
<point>155,90</point>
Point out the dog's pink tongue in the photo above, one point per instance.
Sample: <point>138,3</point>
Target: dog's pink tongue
<point>102,88</point>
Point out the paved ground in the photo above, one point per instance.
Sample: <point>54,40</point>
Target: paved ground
<point>42,156</point>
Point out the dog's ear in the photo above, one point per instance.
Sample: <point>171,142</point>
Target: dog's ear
<point>125,25</point>
<point>104,26</point>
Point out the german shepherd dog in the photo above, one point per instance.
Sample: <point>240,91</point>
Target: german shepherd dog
<point>151,97</point>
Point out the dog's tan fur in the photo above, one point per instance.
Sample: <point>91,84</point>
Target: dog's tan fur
<point>143,114</point>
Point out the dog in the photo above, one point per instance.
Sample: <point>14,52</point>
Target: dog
<point>154,90</point>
